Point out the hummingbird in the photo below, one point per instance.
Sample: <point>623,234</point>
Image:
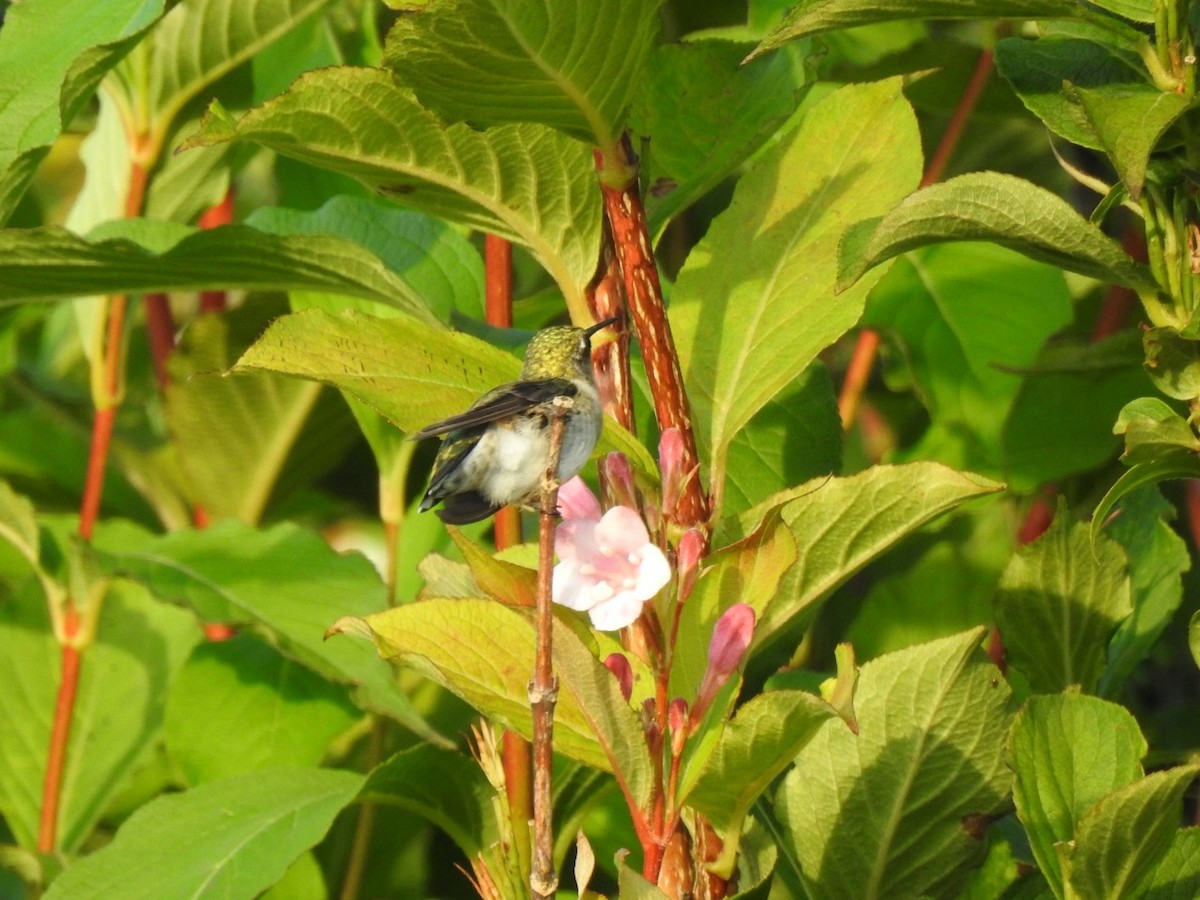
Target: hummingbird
<point>497,451</point>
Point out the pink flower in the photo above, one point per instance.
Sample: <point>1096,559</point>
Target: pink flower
<point>608,566</point>
<point>576,501</point>
<point>726,651</point>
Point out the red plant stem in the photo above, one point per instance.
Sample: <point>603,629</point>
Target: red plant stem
<point>857,375</point>
<point>160,331</point>
<point>89,510</point>
<point>635,262</point>
<point>515,752</point>
<point>958,119</point>
<point>497,254</point>
<point>59,734</point>
<point>543,690</point>
<point>867,346</point>
<point>221,214</point>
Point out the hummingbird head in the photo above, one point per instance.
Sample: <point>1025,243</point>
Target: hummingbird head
<point>561,352</point>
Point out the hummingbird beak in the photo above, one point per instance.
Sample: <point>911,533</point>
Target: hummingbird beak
<point>600,326</point>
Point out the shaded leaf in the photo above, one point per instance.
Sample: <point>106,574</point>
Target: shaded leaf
<point>232,435</point>
<point>289,582</point>
<point>795,437</point>
<point>1158,557</point>
<point>491,62</point>
<point>1153,429</point>
<point>232,838</point>
<point>443,786</point>
<point>814,16</point>
<point>1060,600</point>
<point>51,263</point>
<point>1129,121</point>
<point>704,115</point>
<point>239,706</point>
<point>1169,467</point>
<point>439,267</point>
<point>1038,69</point>
<point>966,316</point>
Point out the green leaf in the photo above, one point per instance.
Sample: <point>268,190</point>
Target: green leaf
<point>1120,841</point>
<point>1153,429</point>
<point>1170,467</point>
<point>239,706</point>
<point>230,838</point>
<point>1173,363</point>
<point>18,526</point>
<point>484,652</point>
<point>438,374</point>
<point>232,435</point>
<point>47,81</point>
<point>51,263</point>
<point>200,41</point>
<point>1067,751</point>
<point>966,316</point>
<point>1194,636</point>
<point>528,183</point>
<point>705,115</point>
<point>756,746</point>
<point>1061,422</point>
<point>504,581</point>
<point>491,62</point>
<point>1158,557</point>
<point>1129,121</point>
<point>942,583</point>
<point>236,574</point>
<point>814,16</point>
<point>124,677</point>
<point>795,437</point>
<point>1037,71</point>
<point>1177,876</point>
<point>988,206</point>
<point>1060,600</point>
<point>1134,10</point>
<point>747,324</point>
<point>445,787</point>
<point>898,809</point>
<point>439,267</point>
<point>841,524</point>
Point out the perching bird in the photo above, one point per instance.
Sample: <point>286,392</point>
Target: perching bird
<point>497,451</point>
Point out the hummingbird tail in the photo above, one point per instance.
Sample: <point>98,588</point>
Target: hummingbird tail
<point>464,508</point>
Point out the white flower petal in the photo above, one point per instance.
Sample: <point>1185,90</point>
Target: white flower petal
<point>653,572</point>
<point>617,613</point>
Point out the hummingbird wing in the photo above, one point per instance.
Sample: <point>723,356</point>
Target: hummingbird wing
<point>500,403</point>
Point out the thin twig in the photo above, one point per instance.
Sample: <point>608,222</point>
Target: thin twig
<point>543,690</point>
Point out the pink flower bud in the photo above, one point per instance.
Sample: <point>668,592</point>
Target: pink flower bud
<point>617,478</point>
<point>731,638</point>
<point>687,558</point>
<point>576,501</point>
<point>670,465</point>
<point>726,651</point>
<point>619,666</point>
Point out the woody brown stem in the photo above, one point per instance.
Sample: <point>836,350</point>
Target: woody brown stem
<point>611,361</point>
<point>543,690</point>
<point>643,293</point>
